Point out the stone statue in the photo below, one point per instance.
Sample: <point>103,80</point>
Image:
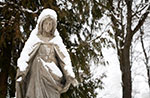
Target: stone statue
<point>45,69</point>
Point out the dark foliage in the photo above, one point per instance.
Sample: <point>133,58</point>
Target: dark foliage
<point>18,19</point>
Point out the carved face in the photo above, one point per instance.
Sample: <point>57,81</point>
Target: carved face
<point>47,25</point>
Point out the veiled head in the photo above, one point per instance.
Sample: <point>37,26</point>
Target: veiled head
<point>47,26</point>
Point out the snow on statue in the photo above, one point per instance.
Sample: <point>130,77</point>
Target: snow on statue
<point>45,69</point>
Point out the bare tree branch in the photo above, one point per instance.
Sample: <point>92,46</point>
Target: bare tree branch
<point>141,21</point>
<point>139,10</point>
<point>146,57</point>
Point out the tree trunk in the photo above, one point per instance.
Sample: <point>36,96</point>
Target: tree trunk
<point>3,83</point>
<point>125,65</point>
<point>126,73</point>
<point>5,61</point>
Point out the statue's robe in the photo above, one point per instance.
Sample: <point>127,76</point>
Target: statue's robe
<point>37,81</point>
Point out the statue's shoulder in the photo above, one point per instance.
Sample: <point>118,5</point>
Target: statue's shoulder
<point>37,44</point>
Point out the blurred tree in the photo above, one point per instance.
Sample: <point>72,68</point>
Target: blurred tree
<point>127,17</point>
<point>76,18</point>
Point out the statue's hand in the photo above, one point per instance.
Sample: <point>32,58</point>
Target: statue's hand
<point>20,75</point>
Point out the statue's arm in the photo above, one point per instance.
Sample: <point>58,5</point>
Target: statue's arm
<point>25,54</point>
<point>66,67</point>
<point>23,63</point>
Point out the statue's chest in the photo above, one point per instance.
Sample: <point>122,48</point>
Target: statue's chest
<point>46,49</point>
<point>47,52</point>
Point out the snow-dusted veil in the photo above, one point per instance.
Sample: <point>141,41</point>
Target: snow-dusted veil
<point>30,45</point>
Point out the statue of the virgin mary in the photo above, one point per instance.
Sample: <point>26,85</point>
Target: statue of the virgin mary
<point>44,66</point>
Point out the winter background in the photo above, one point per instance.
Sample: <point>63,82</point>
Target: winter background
<point>112,82</point>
